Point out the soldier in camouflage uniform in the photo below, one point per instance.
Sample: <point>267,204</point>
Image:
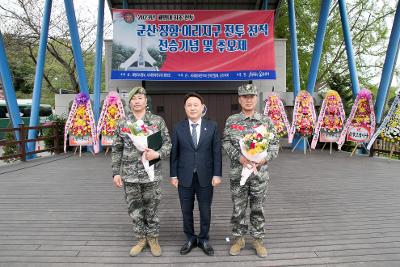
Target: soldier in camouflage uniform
<point>255,188</point>
<point>142,195</point>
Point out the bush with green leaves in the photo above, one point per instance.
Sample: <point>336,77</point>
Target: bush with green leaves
<point>49,132</point>
<point>10,149</point>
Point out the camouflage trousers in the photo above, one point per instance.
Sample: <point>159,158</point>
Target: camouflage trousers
<point>143,200</point>
<point>253,192</point>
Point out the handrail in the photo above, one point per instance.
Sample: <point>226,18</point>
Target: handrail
<point>23,130</point>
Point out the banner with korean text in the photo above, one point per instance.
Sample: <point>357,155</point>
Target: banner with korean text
<point>193,45</point>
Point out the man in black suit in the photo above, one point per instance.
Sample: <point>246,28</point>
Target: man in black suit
<point>196,167</point>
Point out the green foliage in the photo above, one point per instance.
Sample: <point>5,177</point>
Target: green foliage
<point>23,69</point>
<point>48,133</point>
<point>158,56</point>
<point>10,149</point>
<point>343,86</point>
<point>120,54</point>
<point>20,21</point>
<point>369,31</point>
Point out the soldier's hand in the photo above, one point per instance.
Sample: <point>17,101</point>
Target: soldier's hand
<point>215,181</point>
<point>258,165</point>
<point>174,182</point>
<point>150,154</point>
<point>118,181</point>
<point>245,162</point>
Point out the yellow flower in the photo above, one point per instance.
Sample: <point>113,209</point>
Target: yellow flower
<point>80,122</point>
<point>112,123</point>
<point>112,110</point>
<point>80,111</point>
<point>252,151</point>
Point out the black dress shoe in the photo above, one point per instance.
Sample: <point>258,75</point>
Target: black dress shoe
<point>207,248</point>
<point>187,247</point>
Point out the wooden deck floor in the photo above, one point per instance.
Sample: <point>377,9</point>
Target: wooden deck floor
<point>322,210</point>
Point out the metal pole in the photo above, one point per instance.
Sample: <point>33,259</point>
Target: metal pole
<point>323,19</point>
<point>388,66</point>
<point>293,43</point>
<point>37,88</point>
<point>76,47</point>
<point>125,4</point>
<point>349,48</point>
<point>9,91</point>
<point>295,60</point>
<point>265,5</point>
<point>98,60</point>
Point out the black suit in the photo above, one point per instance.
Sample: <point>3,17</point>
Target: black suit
<point>195,167</point>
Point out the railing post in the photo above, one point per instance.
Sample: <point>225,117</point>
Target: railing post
<point>22,144</point>
<point>56,138</point>
<point>372,151</point>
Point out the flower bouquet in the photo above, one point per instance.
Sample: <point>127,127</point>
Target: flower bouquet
<point>275,110</point>
<point>254,146</point>
<point>138,132</point>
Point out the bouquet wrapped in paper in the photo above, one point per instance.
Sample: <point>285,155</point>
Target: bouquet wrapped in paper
<point>304,116</point>
<point>254,146</point>
<point>111,112</point>
<point>275,110</point>
<point>331,117</point>
<point>138,132</point>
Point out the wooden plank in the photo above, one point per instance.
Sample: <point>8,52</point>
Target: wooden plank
<point>37,253</point>
<point>66,212</point>
<point>11,156</point>
<point>215,261</point>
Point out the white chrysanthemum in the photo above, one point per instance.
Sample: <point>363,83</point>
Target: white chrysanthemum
<point>271,136</point>
<point>140,122</point>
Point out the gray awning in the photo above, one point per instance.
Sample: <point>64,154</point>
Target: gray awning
<point>195,5</point>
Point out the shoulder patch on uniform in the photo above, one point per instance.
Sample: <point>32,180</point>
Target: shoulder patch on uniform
<point>237,127</point>
<point>125,130</point>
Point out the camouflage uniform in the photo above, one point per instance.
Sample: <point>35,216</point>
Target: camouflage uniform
<point>142,195</point>
<point>255,188</point>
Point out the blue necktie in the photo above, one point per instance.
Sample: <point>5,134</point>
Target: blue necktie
<point>194,134</point>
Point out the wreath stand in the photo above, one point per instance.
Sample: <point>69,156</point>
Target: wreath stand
<point>392,149</point>
<point>330,147</point>
<point>358,144</point>
<point>80,150</point>
<point>306,144</point>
